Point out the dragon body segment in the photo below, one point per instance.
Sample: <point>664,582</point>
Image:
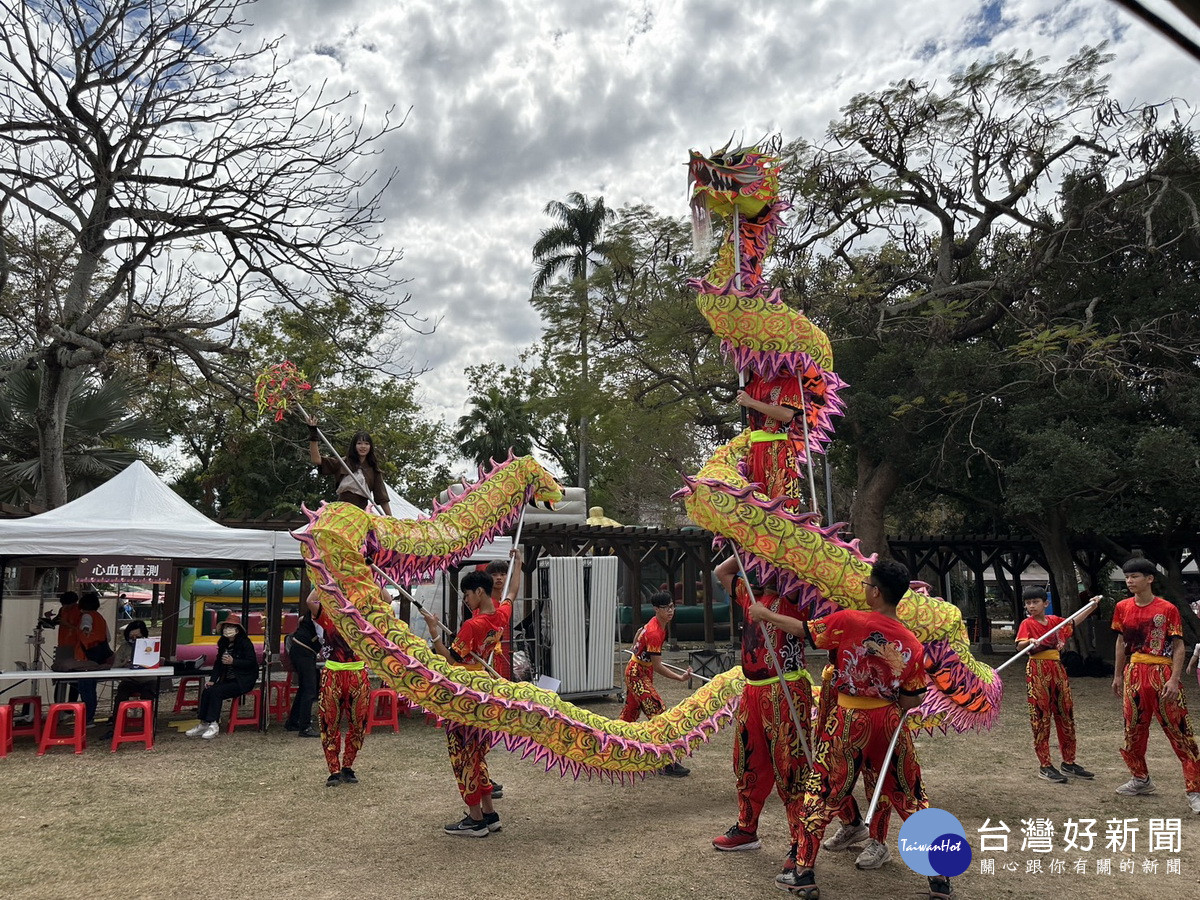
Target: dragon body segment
<point>524,718</point>
<point>770,340</point>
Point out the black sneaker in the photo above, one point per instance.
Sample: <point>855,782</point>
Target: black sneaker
<point>940,888</point>
<point>306,732</point>
<point>492,821</point>
<point>291,727</point>
<point>333,780</point>
<point>1052,774</point>
<point>348,776</point>
<point>497,790</point>
<point>1077,770</point>
<point>801,884</point>
<point>675,770</point>
<point>468,827</point>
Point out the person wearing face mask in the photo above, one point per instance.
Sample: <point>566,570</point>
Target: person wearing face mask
<point>359,480</point>
<point>234,674</point>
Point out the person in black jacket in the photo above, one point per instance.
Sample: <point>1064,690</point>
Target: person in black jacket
<point>302,650</point>
<point>234,674</point>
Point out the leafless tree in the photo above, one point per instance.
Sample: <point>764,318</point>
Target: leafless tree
<point>182,184</point>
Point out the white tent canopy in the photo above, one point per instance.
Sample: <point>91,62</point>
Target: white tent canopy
<point>135,514</point>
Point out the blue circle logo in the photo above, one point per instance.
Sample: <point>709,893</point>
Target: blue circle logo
<point>933,842</point>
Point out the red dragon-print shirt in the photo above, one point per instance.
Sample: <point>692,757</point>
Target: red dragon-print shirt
<point>756,660</point>
<point>1150,629</point>
<point>876,655</point>
<point>1032,629</point>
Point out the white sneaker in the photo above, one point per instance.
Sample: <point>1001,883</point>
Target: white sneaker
<point>196,730</point>
<point>211,730</point>
<point>873,856</point>
<point>1136,786</point>
<point>845,836</point>
<point>1193,799</point>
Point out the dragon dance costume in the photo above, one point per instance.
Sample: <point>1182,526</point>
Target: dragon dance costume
<point>480,636</point>
<point>877,659</point>
<point>766,748</point>
<point>1149,633</point>
<point>1049,689</point>
<point>640,693</point>
<point>345,691</point>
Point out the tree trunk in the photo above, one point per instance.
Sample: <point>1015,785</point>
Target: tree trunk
<point>877,482</point>
<point>1052,533</point>
<point>584,392</point>
<point>51,420</point>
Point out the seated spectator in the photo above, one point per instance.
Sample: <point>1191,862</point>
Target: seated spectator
<point>127,688</point>
<point>234,674</point>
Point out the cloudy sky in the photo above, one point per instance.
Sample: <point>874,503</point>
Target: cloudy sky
<point>518,102</point>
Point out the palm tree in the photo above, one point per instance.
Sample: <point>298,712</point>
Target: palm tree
<point>100,429</point>
<point>572,247</point>
<point>498,421</point>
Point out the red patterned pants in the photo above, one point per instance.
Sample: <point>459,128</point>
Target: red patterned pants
<point>1050,697</point>
<point>468,758</point>
<point>344,691</point>
<point>767,752</point>
<point>1143,701</point>
<point>640,696</point>
<point>854,741</point>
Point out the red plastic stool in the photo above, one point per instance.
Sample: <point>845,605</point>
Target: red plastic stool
<point>236,717</point>
<point>280,700</point>
<point>34,728</point>
<point>385,710</point>
<point>132,729</point>
<point>182,700</point>
<point>6,743</point>
<point>78,735</point>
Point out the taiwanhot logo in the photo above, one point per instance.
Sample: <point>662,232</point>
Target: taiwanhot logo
<point>933,842</point>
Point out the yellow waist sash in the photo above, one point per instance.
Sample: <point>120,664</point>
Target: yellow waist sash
<point>787,676</point>
<point>355,666</point>
<point>1150,658</point>
<point>1044,654</point>
<point>849,701</point>
<point>758,437</point>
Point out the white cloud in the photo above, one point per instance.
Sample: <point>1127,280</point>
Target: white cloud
<point>518,102</point>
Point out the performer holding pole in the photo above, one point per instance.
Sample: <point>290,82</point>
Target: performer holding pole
<point>1042,637</point>
<point>879,675</point>
<point>645,660</point>
<point>477,638</point>
<point>359,480</point>
<point>766,742</point>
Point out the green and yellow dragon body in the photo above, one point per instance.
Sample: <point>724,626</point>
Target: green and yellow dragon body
<point>341,538</point>
<point>792,550</point>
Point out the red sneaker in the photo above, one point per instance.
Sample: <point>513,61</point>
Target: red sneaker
<point>736,839</point>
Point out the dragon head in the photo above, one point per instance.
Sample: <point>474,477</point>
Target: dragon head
<point>743,178</point>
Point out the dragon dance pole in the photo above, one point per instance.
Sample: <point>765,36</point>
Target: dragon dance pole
<point>1080,613</point>
<point>883,770</point>
<point>357,476</point>
<point>417,603</point>
<point>783,685</point>
<point>516,543</point>
<point>675,668</point>
<point>808,452</point>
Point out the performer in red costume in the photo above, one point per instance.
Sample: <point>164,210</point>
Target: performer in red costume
<point>766,748</point>
<point>879,672</point>
<point>640,695</point>
<point>346,691</point>
<point>479,639</point>
<point>1049,688</point>
<point>1149,664</point>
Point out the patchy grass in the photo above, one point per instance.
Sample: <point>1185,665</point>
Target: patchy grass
<point>248,815</point>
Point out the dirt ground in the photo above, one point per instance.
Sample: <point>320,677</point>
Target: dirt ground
<point>248,815</point>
